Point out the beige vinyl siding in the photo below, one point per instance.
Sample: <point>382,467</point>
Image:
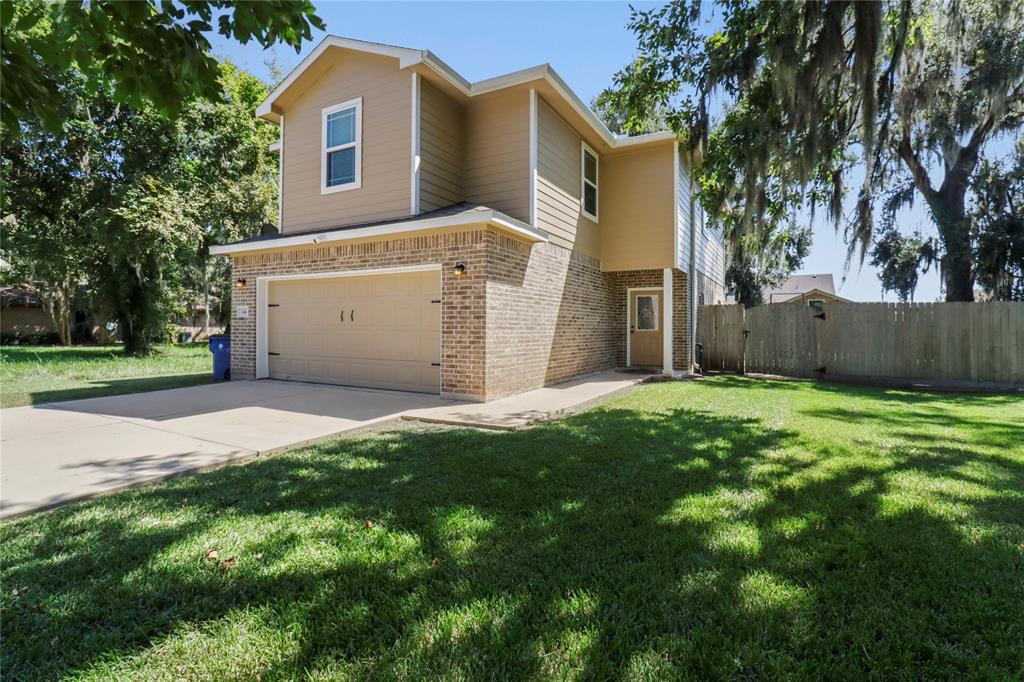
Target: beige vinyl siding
<point>636,209</point>
<point>497,170</point>
<point>442,148</point>
<point>385,150</point>
<point>683,209</point>
<point>558,185</point>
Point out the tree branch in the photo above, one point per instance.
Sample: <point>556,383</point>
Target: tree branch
<point>917,170</point>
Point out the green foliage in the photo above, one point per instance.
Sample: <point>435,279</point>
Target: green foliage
<point>131,199</point>
<point>899,259</point>
<point>48,194</point>
<point>998,225</point>
<point>144,53</point>
<point>610,106</point>
<point>756,266</point>
<point>817,95</point>
<point>145,236</point>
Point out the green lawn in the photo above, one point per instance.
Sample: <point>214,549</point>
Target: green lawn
<point>31,375</point>
<point>729,528</point>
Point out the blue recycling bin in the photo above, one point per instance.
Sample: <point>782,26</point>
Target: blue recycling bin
<point>220,346</point>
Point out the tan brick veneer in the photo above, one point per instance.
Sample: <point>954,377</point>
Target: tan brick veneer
<point>522,317</point>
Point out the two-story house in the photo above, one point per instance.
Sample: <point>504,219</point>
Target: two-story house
<point>475,240</point>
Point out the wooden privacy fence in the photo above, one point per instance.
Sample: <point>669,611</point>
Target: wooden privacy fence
<point>975,342</point>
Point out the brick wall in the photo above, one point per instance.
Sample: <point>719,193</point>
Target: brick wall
<point>681,321</point>
<point>549,315</point>
<point>463,315</point>
<point>522,317</point>
<point>656,279</point>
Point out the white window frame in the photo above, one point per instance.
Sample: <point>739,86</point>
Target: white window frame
<point>584,150</point>
<point>656,302</point>
<point>357,103</point>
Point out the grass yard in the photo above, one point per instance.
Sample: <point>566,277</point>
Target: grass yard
<point>729,528</point>
<point>31,375</point>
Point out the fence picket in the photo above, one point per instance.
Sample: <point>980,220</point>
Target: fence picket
<point>979,342</point>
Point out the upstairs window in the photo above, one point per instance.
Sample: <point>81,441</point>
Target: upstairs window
<point>588,172</point>
<point>342,141</point>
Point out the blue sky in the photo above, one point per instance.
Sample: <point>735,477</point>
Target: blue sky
<point>586,42</point>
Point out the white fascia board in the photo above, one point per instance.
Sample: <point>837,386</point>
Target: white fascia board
<point>533,156</point>
<point>675,205</point>
<point>446,72</point>
<point>274,147</point>
<point>490,217</point>
<point>646,138</point>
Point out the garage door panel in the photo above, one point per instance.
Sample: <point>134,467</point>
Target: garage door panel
<point>376,330</point>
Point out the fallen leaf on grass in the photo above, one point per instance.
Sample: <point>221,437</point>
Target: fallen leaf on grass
<point>228,563</point>
<point>369,524</point>
<point>212,554</point>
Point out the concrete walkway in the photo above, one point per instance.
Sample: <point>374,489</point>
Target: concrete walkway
<point>52,454</point>
<point>535,406</point>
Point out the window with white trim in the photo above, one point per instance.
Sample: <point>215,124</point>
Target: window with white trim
<point>816,303</point>
<point>588,181</point>
<point>341,157</point>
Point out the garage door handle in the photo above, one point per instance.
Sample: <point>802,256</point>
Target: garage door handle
<point>342,316</point>
<point>352,316</point>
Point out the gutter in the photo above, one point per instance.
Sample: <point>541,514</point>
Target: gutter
<point>493,218</point>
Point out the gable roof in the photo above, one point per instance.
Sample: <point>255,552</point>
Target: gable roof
<point>800,284</point>
<point>408,57</point>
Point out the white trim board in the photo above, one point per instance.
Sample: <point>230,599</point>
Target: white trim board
<point>668,329</point>
<point>280,176</point>
<point>584,150</point>
<point>533,157</point>
<point>414,181</point>
<point>629,318</point>
<point>675,204</point>
<point>262,299</point>
<point>494,218</point>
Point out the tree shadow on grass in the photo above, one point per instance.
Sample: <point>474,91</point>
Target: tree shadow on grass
<point>904,395</point>
<point>102,388</point>
<point>617,543</point>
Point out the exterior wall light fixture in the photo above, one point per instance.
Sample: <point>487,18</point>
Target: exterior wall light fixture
<point>459,270</point>
<point>240,283</point>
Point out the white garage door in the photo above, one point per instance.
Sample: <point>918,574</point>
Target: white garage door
<point>382,331</point>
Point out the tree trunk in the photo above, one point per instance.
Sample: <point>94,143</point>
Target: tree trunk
<point>134,332</point>
<point>950,215</point>
<point>136,340</point>
<point>206,301</point>
<point>58,304</point>
<point>65,317</point>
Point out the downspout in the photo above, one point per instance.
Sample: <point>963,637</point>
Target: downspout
<point>691,289</point>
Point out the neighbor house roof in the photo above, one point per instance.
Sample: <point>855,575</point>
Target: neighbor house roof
<point>408,57</point>
<point>798,285</point>
<point>21,297</point>
<point>463,213</point>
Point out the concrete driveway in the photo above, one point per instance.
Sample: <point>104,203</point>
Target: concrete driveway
<point>50,454</point>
